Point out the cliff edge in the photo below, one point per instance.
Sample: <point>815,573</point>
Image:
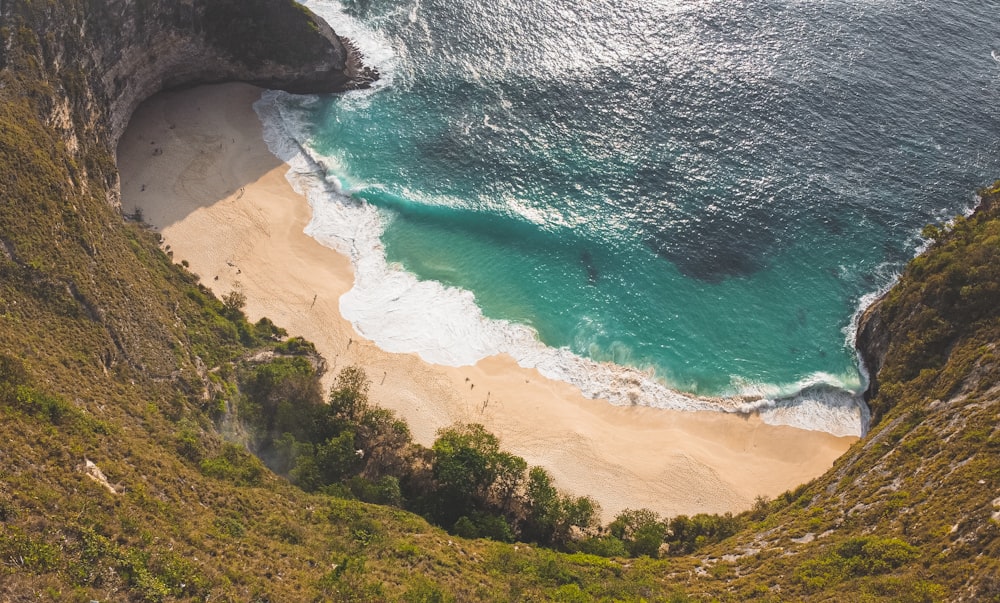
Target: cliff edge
<point>71,74</point>
<point>945,298</point>
<point>101,58</point>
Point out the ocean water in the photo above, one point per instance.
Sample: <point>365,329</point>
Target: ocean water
<point>679,203</point>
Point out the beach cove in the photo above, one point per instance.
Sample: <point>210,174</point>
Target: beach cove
<point>196,164</point>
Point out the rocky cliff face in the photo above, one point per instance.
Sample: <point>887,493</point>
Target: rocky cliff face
<point>945,298</point>
<point>104,57</point>
<point>159,45</point>
<point>872,342</point>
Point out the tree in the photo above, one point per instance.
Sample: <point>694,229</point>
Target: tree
<point>465,464</point>
<point>689,533</point>
<point>642,531</point>
<point>551,517</point>
<point>509,477</point>
<point>683,533</point>
<point>319,445</point>
<point>336,458</point>
<point>582,512</point>
<point>349,395</point>
<point>543,507</point>
<point>281,394</point>
<point>385,443</point>
<point>233,303</point>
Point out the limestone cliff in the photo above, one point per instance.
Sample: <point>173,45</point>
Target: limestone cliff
<point>872,341</point>
<point>104,57</point>
<point>944,298</point>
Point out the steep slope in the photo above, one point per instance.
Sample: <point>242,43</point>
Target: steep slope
<point>72,74</point>
<point>911,512</point>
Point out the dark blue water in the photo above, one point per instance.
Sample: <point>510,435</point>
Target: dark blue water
<point>700,189</point>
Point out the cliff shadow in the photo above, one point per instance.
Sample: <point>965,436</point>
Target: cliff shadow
<point>185,150</point>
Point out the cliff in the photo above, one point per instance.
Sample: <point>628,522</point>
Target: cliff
<point>117,369</point>
<point>944,298</point>
<point>910,512</point>
<point>101,58</point>
<point>71,73</point>
<point>872,342</point>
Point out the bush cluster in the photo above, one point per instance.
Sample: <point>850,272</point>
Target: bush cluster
<point>465,482</point>
<point>345,446</point>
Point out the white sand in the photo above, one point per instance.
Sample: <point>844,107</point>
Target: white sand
<point>195,163</point>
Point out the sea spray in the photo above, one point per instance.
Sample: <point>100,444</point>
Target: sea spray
<point>374,48</point>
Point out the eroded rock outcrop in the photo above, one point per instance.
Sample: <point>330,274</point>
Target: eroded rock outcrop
<point>945,298</point>
<point>872,342</point>
<point>104,57</point>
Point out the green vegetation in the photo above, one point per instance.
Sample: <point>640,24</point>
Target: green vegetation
<point>865,556</point>
<point>643,532</point>
<point>465,483</point>
<point>947,309</point>
<point>346,447</point>
<point>110,353</point>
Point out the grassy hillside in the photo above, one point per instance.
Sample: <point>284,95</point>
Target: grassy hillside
<point>111,353</point>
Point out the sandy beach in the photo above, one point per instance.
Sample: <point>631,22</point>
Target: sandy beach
<point>196,165</point>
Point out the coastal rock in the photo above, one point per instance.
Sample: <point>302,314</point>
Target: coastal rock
<point>271,43</point>
<point>916,324</point>
<point>105,57</point>
<point>872,343</point>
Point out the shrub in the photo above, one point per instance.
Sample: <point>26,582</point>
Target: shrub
<point>233,304</point>
<point>234,464</point>
<point>383,491</point>
<point>642,531</point>
<point>484,525</point>
<point>422,590</point>
<point>863,556</point>
<point>295,346</point>
<point>603,546</point>
<point>22,551</point>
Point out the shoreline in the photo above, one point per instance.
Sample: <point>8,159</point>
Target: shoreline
<point>196,164</point>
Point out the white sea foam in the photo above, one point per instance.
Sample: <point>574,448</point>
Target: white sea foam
<point>887,274</point>
<point>820,408</point>
<point>444,326</point>
<point>374,48</point>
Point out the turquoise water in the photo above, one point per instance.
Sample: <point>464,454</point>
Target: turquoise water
<point>702,190</point>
